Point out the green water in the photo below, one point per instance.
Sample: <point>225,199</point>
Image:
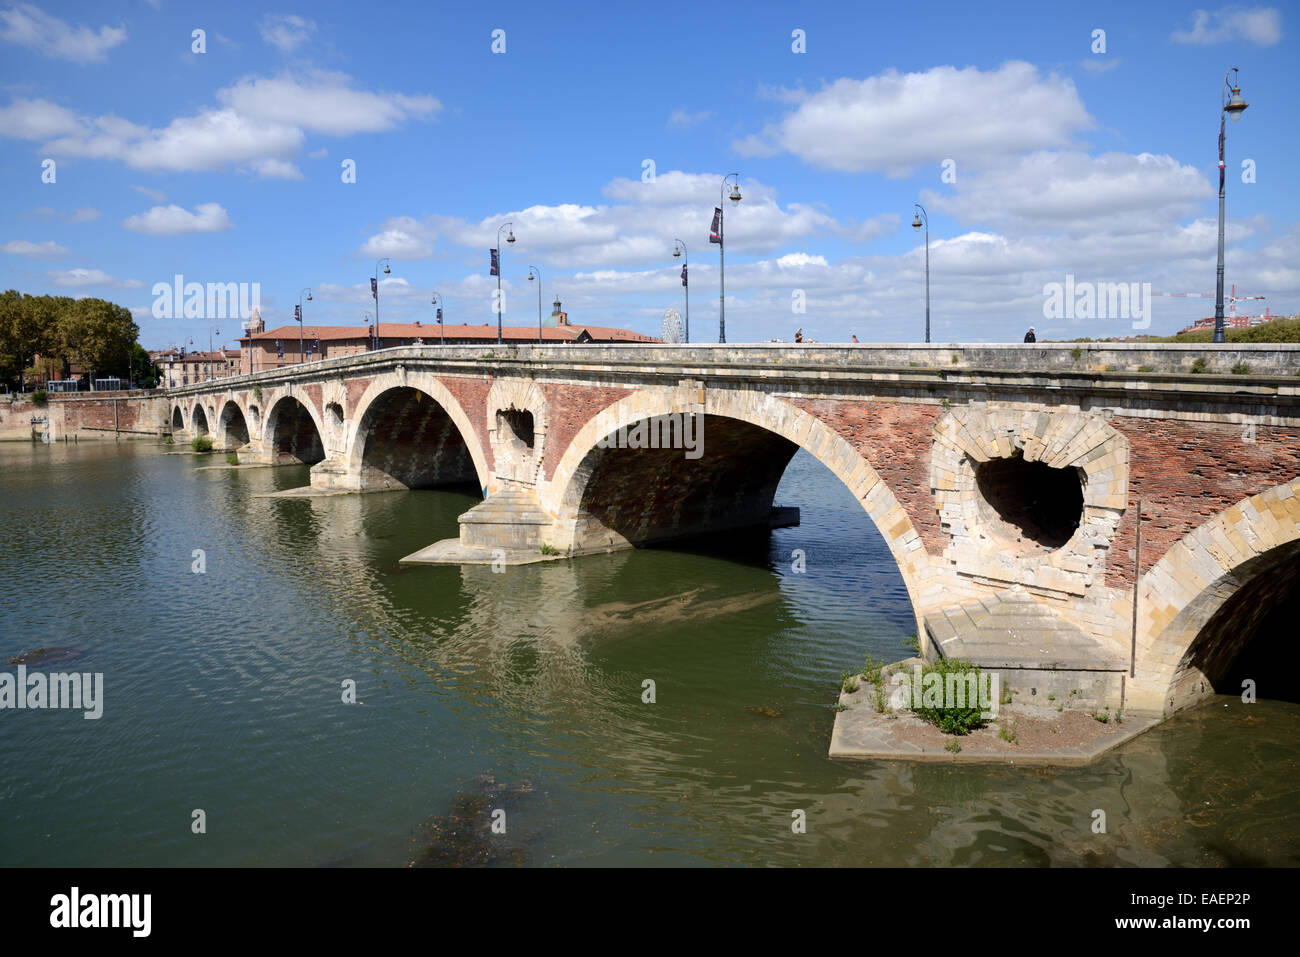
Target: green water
<point>520,691</point>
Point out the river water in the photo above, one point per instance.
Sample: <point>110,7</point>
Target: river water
<point>521,692</point>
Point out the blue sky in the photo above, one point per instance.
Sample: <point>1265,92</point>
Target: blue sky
<point>225,166</point>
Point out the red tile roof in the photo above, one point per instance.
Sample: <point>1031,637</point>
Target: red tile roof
<point>430,333</point>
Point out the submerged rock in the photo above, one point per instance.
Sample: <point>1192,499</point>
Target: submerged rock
<point>463,836</point>
<point>48,656</point>
<point>765,712</point>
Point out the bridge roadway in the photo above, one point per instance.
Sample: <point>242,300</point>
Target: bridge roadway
<point>1005,479</point>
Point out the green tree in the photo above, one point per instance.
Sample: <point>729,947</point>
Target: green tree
<point>99,335</point>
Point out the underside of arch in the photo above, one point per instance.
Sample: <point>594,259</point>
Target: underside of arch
<point>410,441</point>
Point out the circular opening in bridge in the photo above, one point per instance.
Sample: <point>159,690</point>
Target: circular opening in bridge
<point>515,429</point>
<point>1030,505</point>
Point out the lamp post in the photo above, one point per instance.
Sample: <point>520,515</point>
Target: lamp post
<point>368,317</point>
<point>298,315</point>
<point>374,291</point>
<point>679,251</point>
<point>919,219</point>
<point>437,301</point>
<point>531,270</point>
<point>722,263</point>
<point>510,239</point>
<point>1231,104</point>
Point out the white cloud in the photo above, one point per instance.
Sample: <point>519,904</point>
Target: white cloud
<point>90,277</point>
<point>173,220</point>
<point>401,238</point>
<point>682,119</point>
<point>286,31</point>
<point>323,102</point>
<point>1097,64</point>
<point>156,195</point>
<point>893,123</point>
<point>37,120</point>
<point>261,127</point>
<point>1071,192</point>
<point>21,247</point>
<point>1259,25</point>
<point>31,27</point>
<point>82,214</point>
<point>641,228</point>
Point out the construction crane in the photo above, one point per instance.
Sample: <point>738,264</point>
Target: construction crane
<point>1231,300</point>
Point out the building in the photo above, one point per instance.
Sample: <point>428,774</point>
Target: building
<point>176,367</point>
<point>262,349</point>
<point>1231,322</point>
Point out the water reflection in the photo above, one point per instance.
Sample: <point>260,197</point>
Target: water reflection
<point>224,692</point>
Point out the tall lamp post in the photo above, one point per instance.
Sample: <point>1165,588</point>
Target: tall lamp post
<point>722,262</point>
<point>437,301</point>
<point>223,355</point>
<point>1231,104</point>
<point>531,270</point>
<point>679,251</point>
<point>510,239</point>
<point>297,314</point>
<point>919,219</point>
<point>374,292</point>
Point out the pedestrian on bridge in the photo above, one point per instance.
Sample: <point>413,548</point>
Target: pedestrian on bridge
<point>1029,336</point>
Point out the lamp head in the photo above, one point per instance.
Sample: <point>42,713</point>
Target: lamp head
<point>916,221</point>
<point>677,252</point>
<point>735,193</point>
<point>1235,105</point>
<point>387,271</point>
<point>510,237</point>
<point>309,295</point>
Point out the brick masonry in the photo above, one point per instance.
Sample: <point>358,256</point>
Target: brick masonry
<point>1188,472</point>
<point>895,439</point>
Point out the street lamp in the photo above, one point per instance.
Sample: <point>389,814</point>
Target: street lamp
<point>223,355</point>
<point>437,301</point>
<point>297,314</point>
<point>679,251</point>
<point>531,270</point>
<point>510,239</point>
<point>722,263</point>
<point>1231,104</point>
<point>919,219</point>
<point>369,318</point>
<point>374,291</point>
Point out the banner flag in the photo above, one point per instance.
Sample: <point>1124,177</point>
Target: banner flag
<point>496,264</point>
<point>715,232</point>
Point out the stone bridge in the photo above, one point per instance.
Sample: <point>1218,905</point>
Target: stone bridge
<point>1004,479</point>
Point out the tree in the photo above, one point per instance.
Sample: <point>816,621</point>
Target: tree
<point>143,369</point>
<point>99,334</point>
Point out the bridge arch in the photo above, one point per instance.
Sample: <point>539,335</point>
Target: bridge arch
<point>292,432</point>
<point>1204,600</point>
<point>199,420</point>
<point>759,435</point>
<point>232,426</point>
<point>178,419</point>
<point>409,431</point>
